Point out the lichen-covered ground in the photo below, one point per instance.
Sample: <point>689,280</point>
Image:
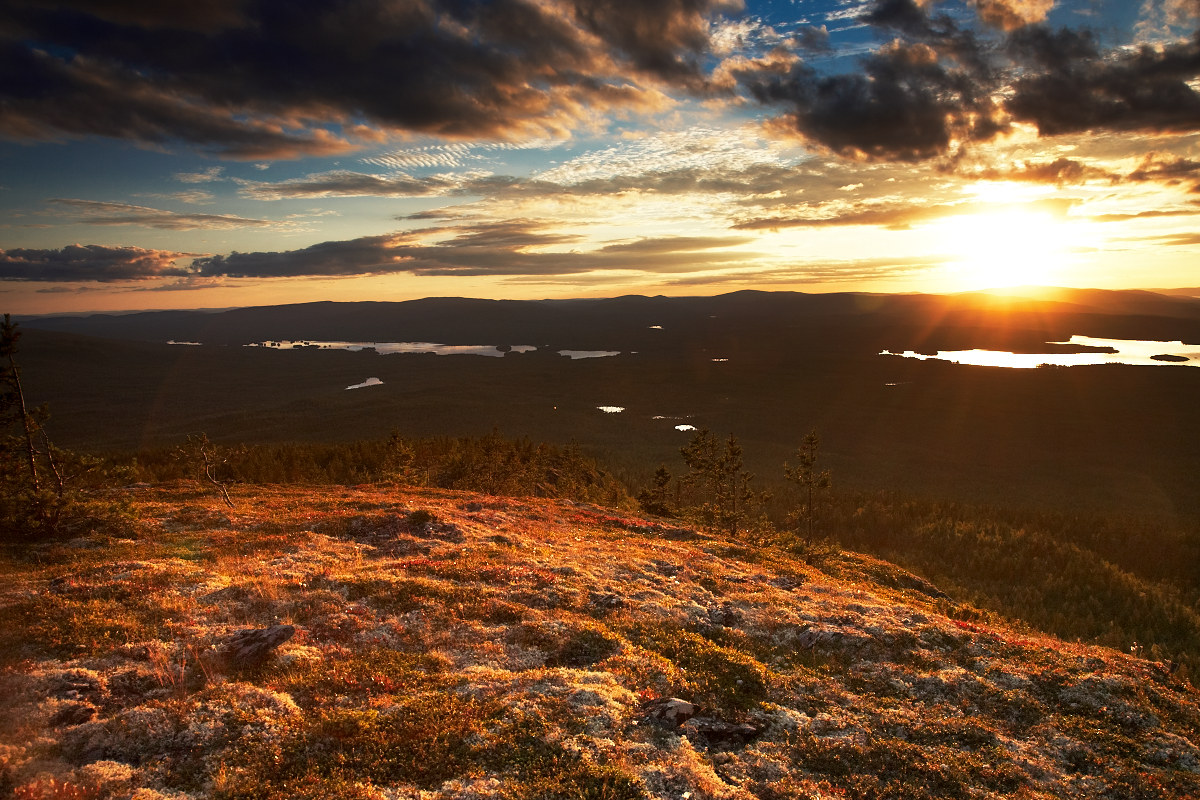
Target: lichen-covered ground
<point>457,646</point>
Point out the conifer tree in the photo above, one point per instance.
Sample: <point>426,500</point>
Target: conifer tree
<point>658,498</point>
<point>726,498</point>
<point>812,482</point>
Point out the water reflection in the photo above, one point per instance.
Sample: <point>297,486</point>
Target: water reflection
<point>366,383</point>
<point>386,348</point>
<point>577,354</point>
<point>1128,351</point>
<point>611,409</point>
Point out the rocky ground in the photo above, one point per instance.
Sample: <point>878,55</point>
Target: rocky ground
<point>383,643</point>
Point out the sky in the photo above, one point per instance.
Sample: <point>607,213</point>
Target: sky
<point>251,152</point>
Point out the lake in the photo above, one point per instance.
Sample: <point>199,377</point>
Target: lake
<point>1127,351</point>
<point>387,348</point>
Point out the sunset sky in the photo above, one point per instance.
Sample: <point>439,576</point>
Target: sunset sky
<point>247,152</point>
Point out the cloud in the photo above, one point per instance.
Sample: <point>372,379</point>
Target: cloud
<point>821,272</point>
<point>1180,240</point>
<point>94,263</point>
<point>1165,169</point>
<point>922,94</point>
<point>701,160</point>
<point>343,183</point>
<point>1154,167</point>
<point>280,79</point>
<point>1152,214</point>
<point>893,215</point>
<point>936,87</point>
<point>93,212</point>
<point>1011,14</point>
<point>1080,89</point>
<point>1060,172</point>
<point>47,97</point>
<point>203,176</point>
<point>506,248</point>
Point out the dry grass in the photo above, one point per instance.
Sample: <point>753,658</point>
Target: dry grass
<point>452,645</point>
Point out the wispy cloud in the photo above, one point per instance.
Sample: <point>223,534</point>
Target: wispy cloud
<point>203,176</point>
<point>92,212</point>
<point>819,272</point>
<point>505,248</point>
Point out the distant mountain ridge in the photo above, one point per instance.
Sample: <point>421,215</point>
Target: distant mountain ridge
<point>624,321</point>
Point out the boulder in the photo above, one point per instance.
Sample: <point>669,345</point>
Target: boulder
<point>715,732</point>
<point>251,648</point>
<point>671,712</point>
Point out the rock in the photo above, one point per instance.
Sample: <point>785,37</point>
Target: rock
<point>1170,358</point>
<point>72,713</point>
<point>717,732</point>
<point>251,648</point>
<point>724,616</point>
<point>606,601</point>
<point>671,712</point>
<point>63,584</point>
<point>75,684</point>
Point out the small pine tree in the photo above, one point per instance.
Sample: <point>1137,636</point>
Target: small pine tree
<point>659,498</point>
<point>209,461</point>
<point>726,498</point>
<point>812,482</point>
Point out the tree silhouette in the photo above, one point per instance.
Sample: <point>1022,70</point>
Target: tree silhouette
<point>658,498</point>
<point>726,499</point>
<point>812,482</point>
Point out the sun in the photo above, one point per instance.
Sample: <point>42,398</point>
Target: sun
<point>1011,247</point>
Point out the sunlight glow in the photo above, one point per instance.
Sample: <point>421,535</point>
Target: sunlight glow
<point>1007,191</point>
<point>1005,248</point>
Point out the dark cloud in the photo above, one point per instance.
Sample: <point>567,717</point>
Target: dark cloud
<point>911,100</point>
<point>281,78</point>
<point>668,38</point>
<point>92,212</point>
<point>814,39</point>
<point>210,15</point>
<point>936,86</point>
<point>1165,169</point>
<point>508,248</point>
<point>93,263</point>
<point>364,256</point>
<point>46,96</point>
<point>1081,89</point>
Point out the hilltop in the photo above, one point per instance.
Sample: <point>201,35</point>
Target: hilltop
<point>436,644</point>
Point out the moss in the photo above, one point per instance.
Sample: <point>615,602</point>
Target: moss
<point>870,767</point>
<point>715,676</point>
<point>368,673</point>
<point>421,740</point>
<point>537,769</point>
